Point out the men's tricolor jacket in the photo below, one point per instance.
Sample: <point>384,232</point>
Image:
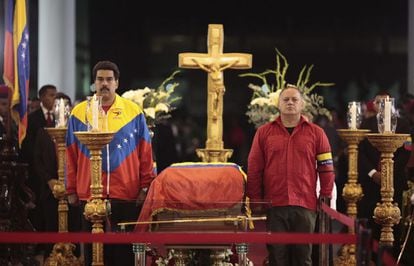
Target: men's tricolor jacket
<point>127,164</point>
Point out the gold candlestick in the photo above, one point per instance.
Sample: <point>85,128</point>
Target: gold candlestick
<point>352,191</point>
<point>62,252</point>
<point>95,208</point>
<point>387,213</point>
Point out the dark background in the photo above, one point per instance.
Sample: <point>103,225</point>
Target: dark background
<point>361,46</point>
<point>360,42</point>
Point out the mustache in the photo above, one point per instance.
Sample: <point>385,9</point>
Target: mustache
<point>104,89</point>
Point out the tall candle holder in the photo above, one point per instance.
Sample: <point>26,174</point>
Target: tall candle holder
<point>61,251</point>
<point>96,208</point>
<point>352,191</point>
<point>387,213</point>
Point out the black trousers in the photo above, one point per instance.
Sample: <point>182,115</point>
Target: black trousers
<point>290,219</point>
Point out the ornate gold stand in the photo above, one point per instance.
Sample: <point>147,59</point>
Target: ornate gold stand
<point>62,253</point>
<point>387,213</point>
<point>214,155</point>
<point>95,208</point>
<point>352,191</point>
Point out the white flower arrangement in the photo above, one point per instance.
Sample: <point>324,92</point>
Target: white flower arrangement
<point>156,103</point>
<point>263,105</point>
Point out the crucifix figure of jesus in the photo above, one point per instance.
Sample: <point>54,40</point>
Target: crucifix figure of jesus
<point>214,62</point>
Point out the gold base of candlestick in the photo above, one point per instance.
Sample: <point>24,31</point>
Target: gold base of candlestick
<point>59,190</point>
<point>214,155</point>
<point>96,208</point>
<point>347,256</point>
<point>62,255</point>
<point>387,213</point>
<point>352,191</point>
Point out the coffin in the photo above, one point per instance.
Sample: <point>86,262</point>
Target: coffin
<point>195,192</point>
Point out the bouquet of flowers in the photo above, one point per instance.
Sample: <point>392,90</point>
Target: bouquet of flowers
<point>156,103</point>
<point>263,105</point>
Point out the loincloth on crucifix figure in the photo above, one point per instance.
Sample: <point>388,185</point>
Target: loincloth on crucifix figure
<point>216,79</point>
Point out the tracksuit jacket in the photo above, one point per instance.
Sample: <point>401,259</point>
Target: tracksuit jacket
<point>127,164</point>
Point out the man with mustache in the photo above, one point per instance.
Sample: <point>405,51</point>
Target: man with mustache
<point>127,164</point>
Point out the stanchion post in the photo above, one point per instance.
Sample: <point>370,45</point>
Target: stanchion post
<point>139,252</point>
<point>242,249</point>
<point>364,242</point>
<point>324,225</point>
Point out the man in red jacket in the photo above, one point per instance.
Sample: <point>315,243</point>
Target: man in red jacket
<point>285,160</point>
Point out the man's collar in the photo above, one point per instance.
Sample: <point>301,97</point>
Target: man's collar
<point>44,110</point>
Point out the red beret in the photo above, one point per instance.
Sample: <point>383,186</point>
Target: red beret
<point>370,106</point>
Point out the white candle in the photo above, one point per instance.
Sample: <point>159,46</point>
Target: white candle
<point>353,111</point>
<point>95,111</point>
<point>387,115</point>
<point>61,122</point>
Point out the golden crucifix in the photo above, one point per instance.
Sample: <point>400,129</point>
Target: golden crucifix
<point>214,63</point>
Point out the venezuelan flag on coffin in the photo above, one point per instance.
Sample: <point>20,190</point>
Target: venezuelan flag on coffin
<point>192,186</point>
<point>126,160</point>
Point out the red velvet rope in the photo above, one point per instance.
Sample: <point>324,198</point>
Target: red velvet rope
<point>197,238</point>
<point>342,218</point>
<point>177,238</point>
<point>387,259</point>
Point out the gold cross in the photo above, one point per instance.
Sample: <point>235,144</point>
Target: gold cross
<point>214,62</point>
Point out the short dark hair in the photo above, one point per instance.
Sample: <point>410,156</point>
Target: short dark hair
<point>44,89</point>
<point>106,65</point>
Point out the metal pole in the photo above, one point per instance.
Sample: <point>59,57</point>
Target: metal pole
<point>139,251</point>
<point>242,249</point>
